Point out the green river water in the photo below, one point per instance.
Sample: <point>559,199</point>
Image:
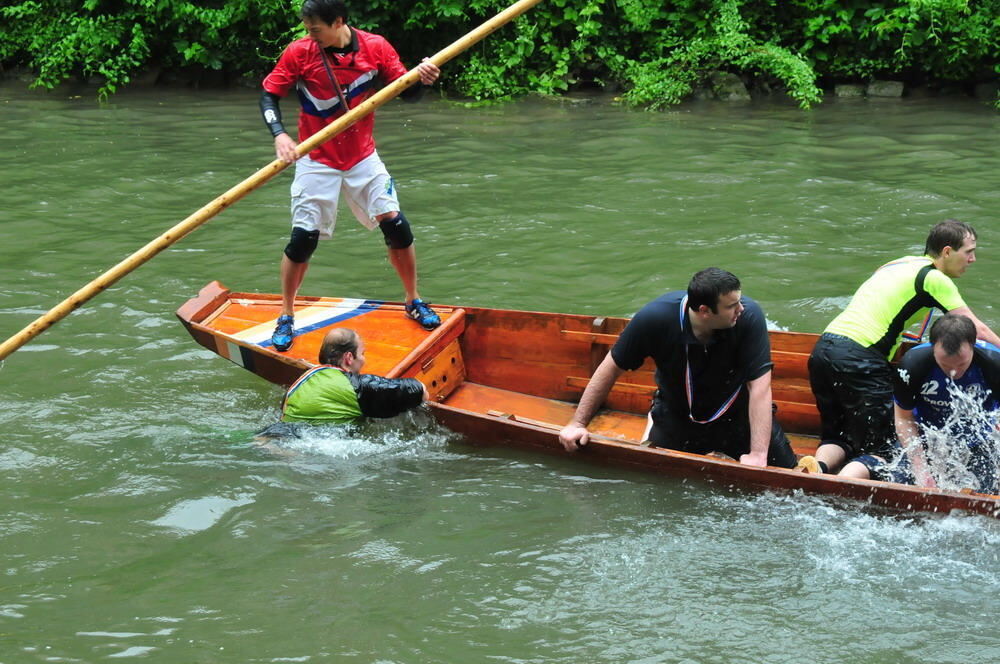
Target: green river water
<point>140,522</point>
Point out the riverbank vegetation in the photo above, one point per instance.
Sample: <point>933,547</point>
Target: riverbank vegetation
<point>654,52</point>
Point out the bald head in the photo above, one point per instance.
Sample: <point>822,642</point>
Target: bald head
<point>338,342</point>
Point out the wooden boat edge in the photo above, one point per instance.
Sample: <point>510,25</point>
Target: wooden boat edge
<point>630,454</point>
<point>626,453</point>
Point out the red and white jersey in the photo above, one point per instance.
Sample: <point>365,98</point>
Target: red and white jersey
<point>301,67</point>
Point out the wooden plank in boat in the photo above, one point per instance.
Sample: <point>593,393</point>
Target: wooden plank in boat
<point>249,319</point>
<point>790,365</point>
<point>793,342</point>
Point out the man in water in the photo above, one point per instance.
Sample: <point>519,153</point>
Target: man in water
<point>931,381</point>
<point>849,367</point>
<point>713,371</point>
<point>337,393</point>
<point>335,68</point>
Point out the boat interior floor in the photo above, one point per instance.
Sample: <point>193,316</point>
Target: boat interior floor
<point>553,414</point>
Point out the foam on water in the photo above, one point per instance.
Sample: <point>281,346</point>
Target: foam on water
<point>869,547</point>
<point>407,435</point>
<point>704,584</point>
<point>947,450</point>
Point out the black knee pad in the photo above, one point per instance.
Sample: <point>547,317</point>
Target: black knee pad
<point>302,245</point>
<point>397,232</point>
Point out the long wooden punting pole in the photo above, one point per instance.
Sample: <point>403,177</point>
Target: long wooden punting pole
<point>386,94</point>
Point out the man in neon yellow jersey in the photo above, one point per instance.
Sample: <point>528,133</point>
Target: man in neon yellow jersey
<point>336,393</point>
<point>849,367</point>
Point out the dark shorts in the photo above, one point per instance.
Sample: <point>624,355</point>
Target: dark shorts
<point>899,470</point>
<point>853,389</point>
<point>729,434</point>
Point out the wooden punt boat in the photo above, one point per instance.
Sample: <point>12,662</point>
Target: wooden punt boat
<point>513,378</point>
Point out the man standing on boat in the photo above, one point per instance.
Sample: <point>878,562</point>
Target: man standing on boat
<point>337,393</point>
<point>849,367</point>
<point>713,371</point>
<point>948,388</point>
<point>333,69</point>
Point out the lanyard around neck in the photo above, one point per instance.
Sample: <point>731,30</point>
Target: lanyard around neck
<point>333,80</point>
<point>689,383</point>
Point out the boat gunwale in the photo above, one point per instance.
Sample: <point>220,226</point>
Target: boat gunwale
<point>625,451</point>
<point>628,452</point>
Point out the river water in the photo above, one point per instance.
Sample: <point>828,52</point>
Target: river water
<point>140,521</point>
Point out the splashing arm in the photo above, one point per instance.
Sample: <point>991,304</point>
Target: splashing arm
<point>909,439</point>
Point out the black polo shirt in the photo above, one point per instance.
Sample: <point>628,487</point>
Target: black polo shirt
<point>732,357</point>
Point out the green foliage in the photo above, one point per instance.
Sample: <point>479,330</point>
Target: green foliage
<point>115,39</point>
<point>948,40</point>
<point>658,51</point>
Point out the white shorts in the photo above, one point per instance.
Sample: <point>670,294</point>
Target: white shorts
<point>367,187</point>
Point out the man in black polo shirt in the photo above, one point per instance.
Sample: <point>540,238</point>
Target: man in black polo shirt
<point>713,371</point>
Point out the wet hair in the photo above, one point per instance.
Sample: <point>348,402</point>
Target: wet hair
<point>327,11</point>
<point>948,233</point>
<point>708,286</point>
<point>953,330</point>
<point>336,343</point>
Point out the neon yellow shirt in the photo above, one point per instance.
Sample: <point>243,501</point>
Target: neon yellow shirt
<point>895,296</point>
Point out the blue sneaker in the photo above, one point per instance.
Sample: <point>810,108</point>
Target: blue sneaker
<point>423,314</point>
<point>283,331</point>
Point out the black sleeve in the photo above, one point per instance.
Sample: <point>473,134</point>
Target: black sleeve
<point>386,397</point>
<point>414,93</point>
<point>755,343</point>
<point>909,376</point>
<point>987,357</point>
<point>272,113</point>
<point>632,347</point>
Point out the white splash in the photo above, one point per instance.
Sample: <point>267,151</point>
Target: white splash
<point>947,450</point>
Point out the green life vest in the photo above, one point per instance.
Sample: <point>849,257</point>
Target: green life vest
<point>322,395</point>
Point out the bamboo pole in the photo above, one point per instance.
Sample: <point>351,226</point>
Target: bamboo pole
<point>213,208</point>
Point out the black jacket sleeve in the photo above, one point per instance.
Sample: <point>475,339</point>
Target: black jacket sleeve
<point>386,397</point>
<point>909,376</point>
<point>988,360</point>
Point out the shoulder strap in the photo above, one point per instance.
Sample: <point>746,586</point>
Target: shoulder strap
<point>918,286</point>
<point>918,282</point>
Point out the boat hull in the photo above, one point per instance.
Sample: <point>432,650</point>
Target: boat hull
<point>513,378</point>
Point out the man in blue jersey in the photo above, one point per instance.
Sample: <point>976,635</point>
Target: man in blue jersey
<point>336,393</point>
<point>931,385</point>
<point>713,371</point>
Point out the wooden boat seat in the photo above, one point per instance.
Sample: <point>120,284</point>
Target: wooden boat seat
<point>437,361</point>
<point>619,387</point>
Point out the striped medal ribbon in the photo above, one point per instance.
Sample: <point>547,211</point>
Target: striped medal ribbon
<point>689,383</point>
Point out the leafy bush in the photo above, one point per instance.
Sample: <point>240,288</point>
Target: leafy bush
<point>947,40</point>
<point>657,50</point>
<point>116,39</point>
